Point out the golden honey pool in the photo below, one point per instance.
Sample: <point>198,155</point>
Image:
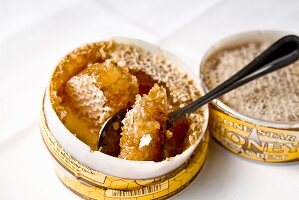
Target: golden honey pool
<point>260,120</point>
<point>142,78</point>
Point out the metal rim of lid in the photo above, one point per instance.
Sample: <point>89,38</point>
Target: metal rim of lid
<point>240,38</point>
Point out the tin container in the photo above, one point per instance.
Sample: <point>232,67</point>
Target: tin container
<point>251,138</point>
<point>95,175</point>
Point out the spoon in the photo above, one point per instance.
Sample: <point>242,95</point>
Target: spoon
<point>280,54</point>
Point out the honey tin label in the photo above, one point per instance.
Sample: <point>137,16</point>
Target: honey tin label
<point>92,184</point>
<point>252,141</point>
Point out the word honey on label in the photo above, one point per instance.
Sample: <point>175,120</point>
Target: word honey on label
<point>255,142</point>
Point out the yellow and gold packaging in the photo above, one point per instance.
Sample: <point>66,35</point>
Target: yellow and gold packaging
<point>91,184</point>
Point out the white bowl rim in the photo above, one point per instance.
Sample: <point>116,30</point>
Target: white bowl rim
<point>129,169</point>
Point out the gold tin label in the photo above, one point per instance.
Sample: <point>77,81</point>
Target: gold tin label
<point>92,184</point>
<point>252,141</point>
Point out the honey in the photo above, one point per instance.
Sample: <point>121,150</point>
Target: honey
<point>95,94</point>
<point>107,82</point>
<point>145,81</point>
<point>175,142</point>
<point>144,125</point>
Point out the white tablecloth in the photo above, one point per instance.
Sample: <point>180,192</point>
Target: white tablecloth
<point>34,35</point>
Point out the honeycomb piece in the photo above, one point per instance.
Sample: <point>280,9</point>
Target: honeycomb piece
<point>98,92</point>
<point>144,125</point>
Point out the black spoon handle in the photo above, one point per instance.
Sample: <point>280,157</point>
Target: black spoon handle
<point>283,52</point>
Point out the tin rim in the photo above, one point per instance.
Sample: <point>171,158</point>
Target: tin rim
<point>239,38</point>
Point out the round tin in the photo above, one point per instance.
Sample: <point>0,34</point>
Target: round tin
<point>251,138</point>
<point>94,175</point>
<point>91,184</point>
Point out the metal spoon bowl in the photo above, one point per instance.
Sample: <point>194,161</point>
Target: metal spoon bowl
<point>280,54</point>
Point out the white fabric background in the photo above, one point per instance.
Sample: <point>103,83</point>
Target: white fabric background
<point>35,34</point>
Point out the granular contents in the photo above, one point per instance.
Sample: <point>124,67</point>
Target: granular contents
<point>274,97</point>
<point>144,125</point>
<point>147,68</point>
